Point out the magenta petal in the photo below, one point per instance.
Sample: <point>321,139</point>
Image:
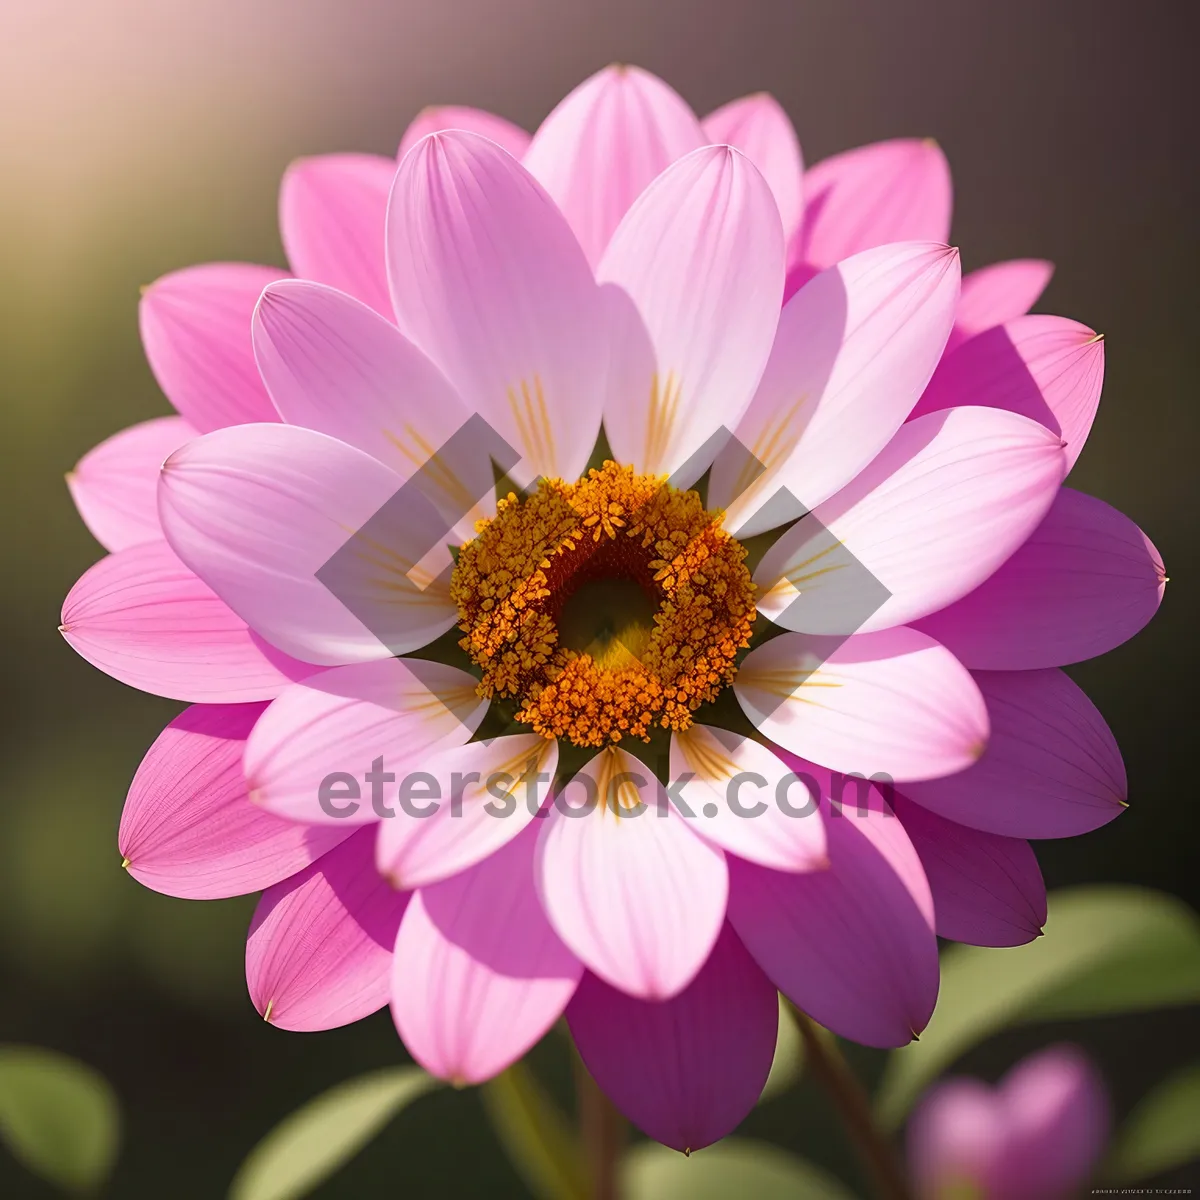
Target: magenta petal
<point>893,191</point>
<point>987,890</point>
<point>687,1070</point>
<point>1036,1136</point>
<point>189,829</point>
<point>1086,580</point>
<point>998,293</point>
<point>142,617</point>
<point>479,975</point>
<point>115,484</point>
<point>957,1139</point>
<point>319,951</point>
<point>853,946</point>
<point>331,214</point>
<point>1056,1115</point>
<point>1050,369</point>
<point>1051,769</point>
<point>196,332</point>
<point>438,117</point>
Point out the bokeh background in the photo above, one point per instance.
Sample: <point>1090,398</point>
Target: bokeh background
<point>138,136</point>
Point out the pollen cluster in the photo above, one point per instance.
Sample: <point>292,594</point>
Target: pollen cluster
<point>512,580</point>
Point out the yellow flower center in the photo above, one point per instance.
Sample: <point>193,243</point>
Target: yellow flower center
<point>544,592</point>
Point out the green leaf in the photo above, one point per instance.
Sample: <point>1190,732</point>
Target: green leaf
<point>788,1063</point>
<point>310,1145</point>
<point>535,1135</point>
<point>1105,950</point>
<point>733,1167</point>
<point>58,1116</point>
<point>1162,1132</point>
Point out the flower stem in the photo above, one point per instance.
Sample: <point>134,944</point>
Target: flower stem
<point>603,1133</point>
<point>835,1076</point>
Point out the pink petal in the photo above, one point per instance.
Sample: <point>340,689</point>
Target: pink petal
<point>333,365</point>
<point>319,951</point>
<point>998,293</point>
<point>950,497</point>
<point>987,890</point>
<point>686,1070</point>
<point>479,975</point>
<point>1086,580</point>
<point>1052,767</point>
<point>1036,1136</point>
<point>1056,1112</point>
<point>440,117</point>
<point>1046,368</point>
<point>196,333</point>
<point>142,617</point>
<point>731,786</point>
<point>605,143</point>
<point>957,1138</point>
<point>489,791</point>
<point>854,350</point>
<point>894,702</point>
<point>630,890</point>
<point>188,828</point>
<point>259,510</point>
<point>701,256</point>
<point>763,132</point>
<point>390,716</point>
<point>893,191</point>
<point>489,281</point>
<point>114,485</point>
<point>331,215</point>
<point>853,946</point>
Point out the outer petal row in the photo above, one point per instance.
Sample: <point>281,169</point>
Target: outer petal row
<point>142,617</point>
<point>115,485</point>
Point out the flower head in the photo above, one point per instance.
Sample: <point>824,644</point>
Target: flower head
<point>1035,1136</point>
<point>622,741</point>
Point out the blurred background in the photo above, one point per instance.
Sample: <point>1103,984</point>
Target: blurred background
<point>139,136</point>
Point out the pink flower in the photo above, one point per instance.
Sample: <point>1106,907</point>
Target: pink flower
<point>1035,1136</point>
<point>629,272</point>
